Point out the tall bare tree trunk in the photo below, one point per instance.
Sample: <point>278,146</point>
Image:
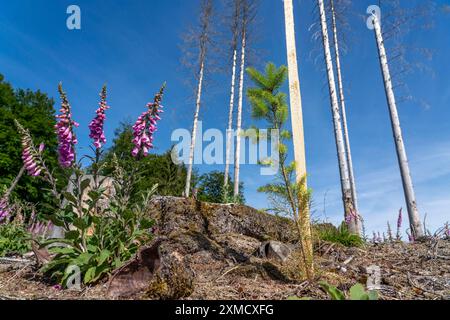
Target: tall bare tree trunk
<point>235,24</point>
<point>343,169</point>
<point>295,93</point>
<point>237,153</point>
<point>203,40</point>
<point>304,222</point>
<point>194,131</point>
<point>413,213</point>
<point>230,122</point>
<point>344,113</point>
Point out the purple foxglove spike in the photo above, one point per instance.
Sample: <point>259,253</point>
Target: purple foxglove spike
<point>64,129</point>
<point>145,127</point>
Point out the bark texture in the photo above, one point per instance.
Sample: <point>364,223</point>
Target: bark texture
<point>237,152</point>
<point>344,113</point>
<point>203,40</point>
<point>339,137</point>
<point>295,93</point>
<point>413,213</point>
<point>230,122</point>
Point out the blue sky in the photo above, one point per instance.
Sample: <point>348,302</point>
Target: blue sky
<point>133,46</point>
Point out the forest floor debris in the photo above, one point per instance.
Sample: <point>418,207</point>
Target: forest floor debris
<point>408,271</point>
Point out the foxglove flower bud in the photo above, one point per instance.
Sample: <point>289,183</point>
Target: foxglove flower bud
<point>31,156</point>
<point>145,126</point>
<point>96,126</point>
<point>4,209</point>
<point>64,130</point>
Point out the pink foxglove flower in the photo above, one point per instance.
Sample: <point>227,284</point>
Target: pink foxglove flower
<point>4,209</point>
<point>31,156</point>
<point>399,224</point>
<point>64,130</point>
<point>96,125</point>
<point>352,216</point>
<point>145,126</point>
<point>410,237</point>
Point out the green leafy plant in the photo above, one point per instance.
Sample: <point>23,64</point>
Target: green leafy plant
<point>14,240</point>
<point>98,244</point>
<point>340,235</point>
<point>357,292</point>
<point>102,228</point>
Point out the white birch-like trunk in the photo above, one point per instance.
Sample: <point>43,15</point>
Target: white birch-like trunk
<point>343,169</point>
<point>295,93</point>
<point>237,154</point>
<point>230,123</point>
<point>413,213</point>
<point>344,113</point>
<point>194,130</point>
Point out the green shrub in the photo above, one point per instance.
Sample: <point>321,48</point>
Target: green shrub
<point>340,235</point>
<point>14,240</point>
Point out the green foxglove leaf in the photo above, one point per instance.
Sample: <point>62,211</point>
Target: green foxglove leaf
<point>357,292</point>
<point>62,250</point>
<point>83,259</point>
<point>84,184</point>
<point>72,235</point>
<point>104,255</point>
<point>335,293</point>
<point>89,275</point>
<point>70,197</point>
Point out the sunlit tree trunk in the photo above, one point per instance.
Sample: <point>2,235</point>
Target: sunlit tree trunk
<point>230,122</point>
<point>344,112</point>
<point>413,213</point>
<point>294,93</point>
<point>298,133</point>
<point>339,137</point>
<point>194,131</point>
<point>203,41</point>
<point>237,154</point>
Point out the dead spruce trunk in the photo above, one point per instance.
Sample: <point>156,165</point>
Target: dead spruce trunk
<point>343,169</point>
<point>230,123</point>
<point>237,153</point>
<point>194,131</point>
<point>413,213</point>
<point>344,112</point>
<point>234,43</point>
<point>304,223</point>
<point>295,93</point>
<point>203,40</point>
